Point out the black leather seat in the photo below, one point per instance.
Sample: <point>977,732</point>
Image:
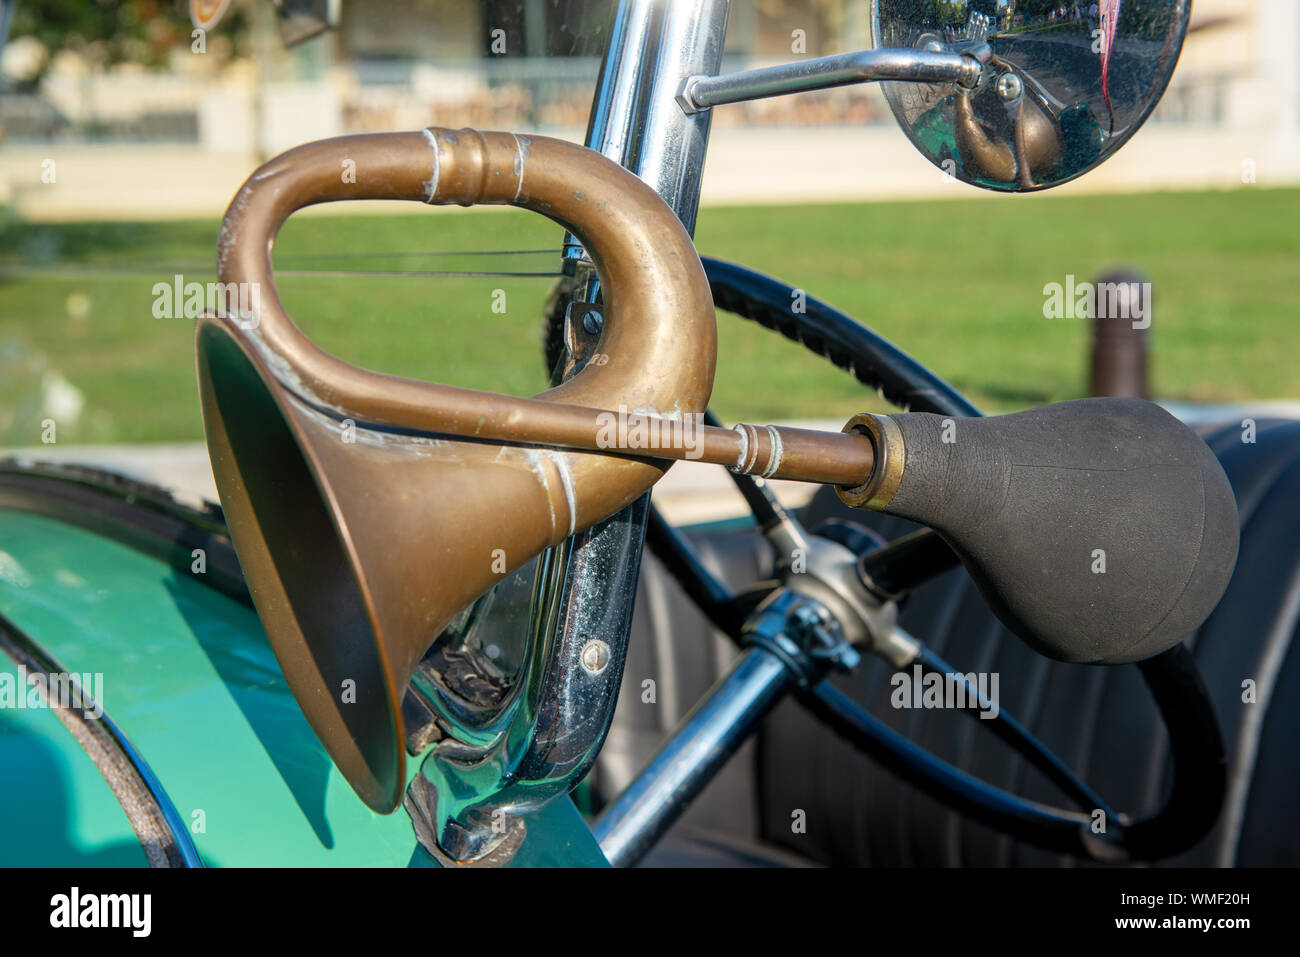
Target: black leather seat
<point>1100,720</point>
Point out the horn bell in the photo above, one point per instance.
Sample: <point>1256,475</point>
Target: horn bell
<point>359,547</point>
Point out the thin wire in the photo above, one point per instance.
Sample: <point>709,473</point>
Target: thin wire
<point>448,252</point>
<point>139,267</point>
<point>73,272</point>
<point>448,274</point>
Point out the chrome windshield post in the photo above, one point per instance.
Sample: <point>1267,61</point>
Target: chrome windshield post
<point>655,46</point>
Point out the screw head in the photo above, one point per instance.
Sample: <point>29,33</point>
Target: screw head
<point>1009,86</point>
<point>592,321</point>
<point>813,615</point>
<point>594,657</point>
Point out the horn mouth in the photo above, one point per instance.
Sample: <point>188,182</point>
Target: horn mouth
<point>301,566</point>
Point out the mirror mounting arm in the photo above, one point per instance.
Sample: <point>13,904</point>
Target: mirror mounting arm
<point>865,66</point>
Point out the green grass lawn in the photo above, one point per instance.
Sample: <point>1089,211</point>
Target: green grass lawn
<point>958,284</point>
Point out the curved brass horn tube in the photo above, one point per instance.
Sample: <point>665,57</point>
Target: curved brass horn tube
<point>662,340</point>
<point>659,330</point>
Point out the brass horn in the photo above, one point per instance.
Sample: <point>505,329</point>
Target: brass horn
<point>368,509</point>
<point>358,553</point>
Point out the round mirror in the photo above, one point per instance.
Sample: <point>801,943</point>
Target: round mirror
<point>1064,85</point>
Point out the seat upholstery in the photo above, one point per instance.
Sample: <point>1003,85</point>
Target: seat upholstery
<point>1100,720</point>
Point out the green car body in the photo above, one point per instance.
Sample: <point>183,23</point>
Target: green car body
<point>187,675</point>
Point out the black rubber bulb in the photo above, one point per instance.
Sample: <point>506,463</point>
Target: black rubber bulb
<point>1099,531</point>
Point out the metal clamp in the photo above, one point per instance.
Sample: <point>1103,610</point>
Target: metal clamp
<point>803,634</point>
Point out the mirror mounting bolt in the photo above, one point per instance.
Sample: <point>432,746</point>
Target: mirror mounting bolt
<point>1010,87</point>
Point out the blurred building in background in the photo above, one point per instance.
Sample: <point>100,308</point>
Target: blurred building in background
<point>144,119</point>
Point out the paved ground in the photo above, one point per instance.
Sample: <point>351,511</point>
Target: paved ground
<point>688,493</point>
<point>744,166</point>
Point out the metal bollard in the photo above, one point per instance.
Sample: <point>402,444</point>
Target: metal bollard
<point>1119,343</point>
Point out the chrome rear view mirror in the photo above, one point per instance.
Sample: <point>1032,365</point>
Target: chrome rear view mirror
<point>1063,86</point>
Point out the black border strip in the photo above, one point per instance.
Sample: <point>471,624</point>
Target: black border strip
<point>157,825</point>
<point>141,516</point>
